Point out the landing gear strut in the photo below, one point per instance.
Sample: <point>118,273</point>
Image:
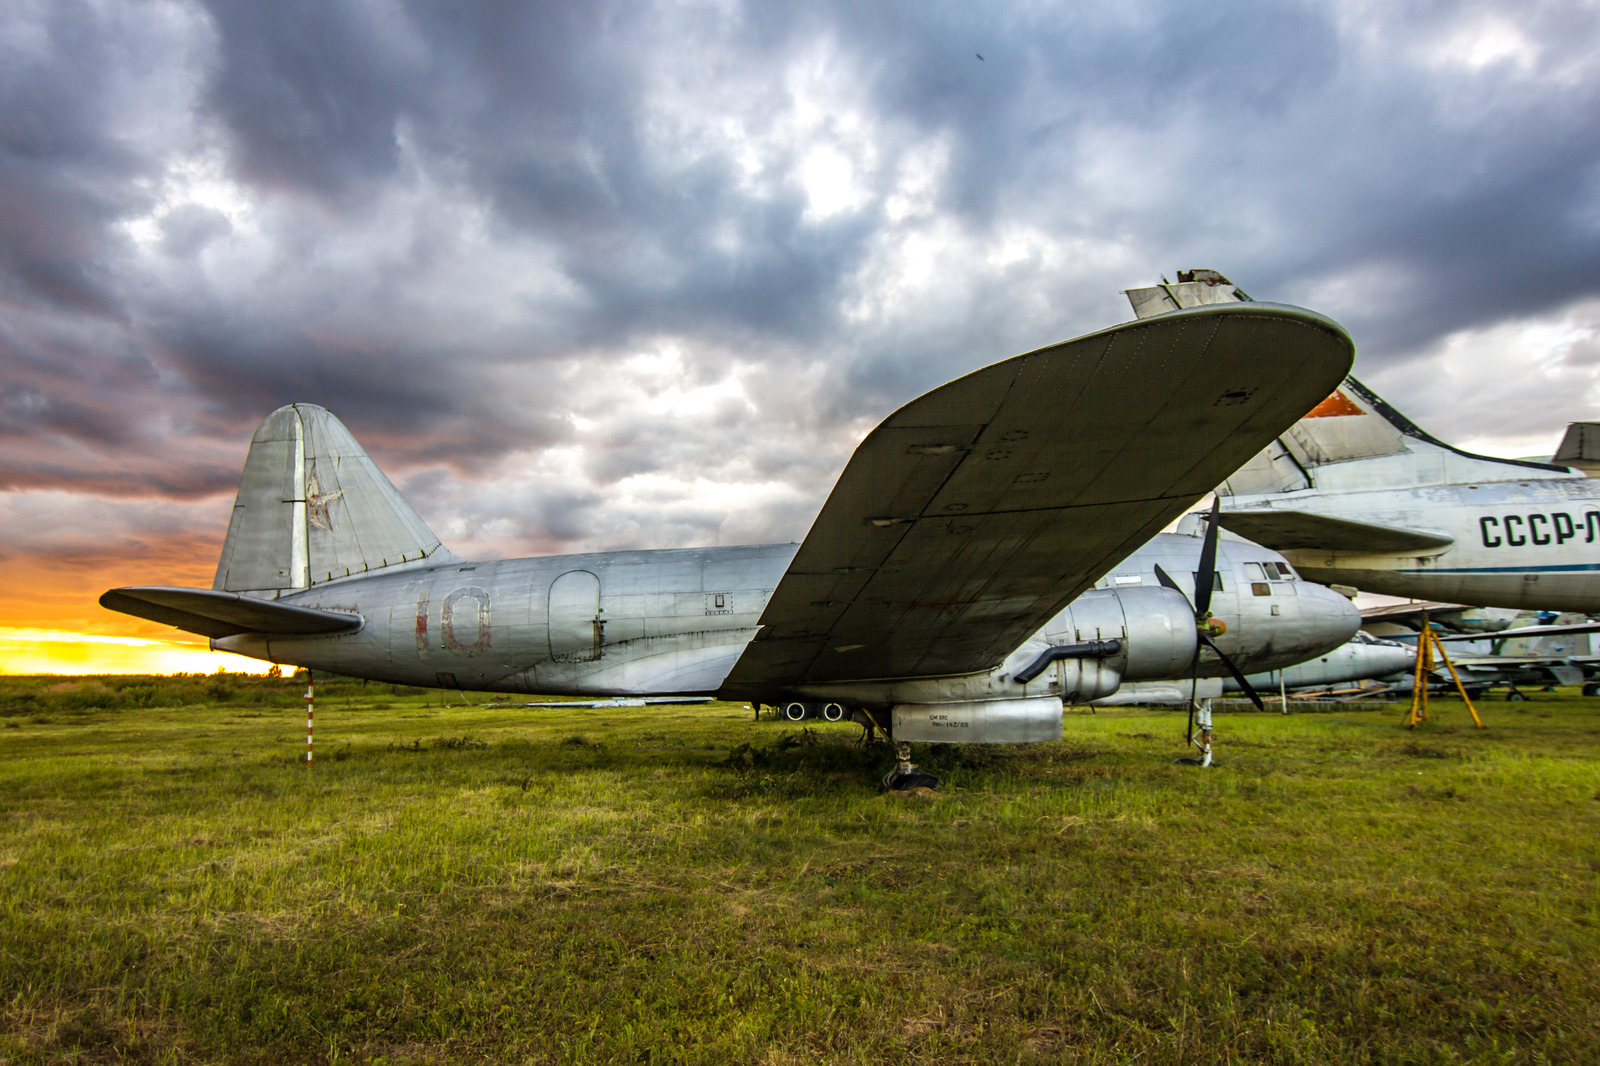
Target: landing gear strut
<point>905,775</point>
<point>1201,737</point>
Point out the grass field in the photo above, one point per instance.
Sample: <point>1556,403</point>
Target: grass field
<point>481,883</point>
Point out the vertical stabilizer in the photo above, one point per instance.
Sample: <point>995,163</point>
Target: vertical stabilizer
<point>1194,288</point>
<point>313,507</point>
<point>1580,448</point>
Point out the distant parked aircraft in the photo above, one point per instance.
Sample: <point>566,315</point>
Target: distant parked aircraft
<point>930,598</point>
<point>1363,658</point>
<point>1358,494</point>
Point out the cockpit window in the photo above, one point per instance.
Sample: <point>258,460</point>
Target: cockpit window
<point>1254,572</point>
<point>1284,573</point>
<point>1216,581</point>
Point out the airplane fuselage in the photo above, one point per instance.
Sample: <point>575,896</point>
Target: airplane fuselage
<point>1527,544</point>
<point>1364,658</point>
<point>674,622</point>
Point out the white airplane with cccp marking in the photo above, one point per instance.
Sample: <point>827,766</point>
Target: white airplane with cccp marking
<point>1355,493</point>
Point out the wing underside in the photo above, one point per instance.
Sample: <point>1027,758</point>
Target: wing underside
<point>973,514</point>
<point>1284,530</point>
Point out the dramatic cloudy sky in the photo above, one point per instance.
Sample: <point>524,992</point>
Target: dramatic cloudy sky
<point>603,275</point>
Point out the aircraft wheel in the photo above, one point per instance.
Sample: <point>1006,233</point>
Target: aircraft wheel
<point>833,712</point>
<point>905,782</point>
<point>795,712</point>
<point>1591,689</point>
<point>1514,696</point>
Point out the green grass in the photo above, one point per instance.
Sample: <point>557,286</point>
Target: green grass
<point>479,883</point>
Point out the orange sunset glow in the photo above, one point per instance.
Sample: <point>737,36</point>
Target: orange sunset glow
<point>51,622</point>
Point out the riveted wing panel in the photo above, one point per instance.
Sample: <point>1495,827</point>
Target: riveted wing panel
<point>976,512</point>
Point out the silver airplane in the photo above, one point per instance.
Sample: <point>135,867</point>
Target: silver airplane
<point>1364,658</point>
<point>930,598</point>
<point>1358,494</point>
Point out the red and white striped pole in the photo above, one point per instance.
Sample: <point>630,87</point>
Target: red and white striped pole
<point>309,689</point>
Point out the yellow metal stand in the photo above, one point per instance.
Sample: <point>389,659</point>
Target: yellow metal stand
<point>1427,642</point>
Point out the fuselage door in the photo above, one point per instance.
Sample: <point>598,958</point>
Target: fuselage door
<point>576,628</point>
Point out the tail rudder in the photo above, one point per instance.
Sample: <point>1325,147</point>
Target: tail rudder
<point>313,507</point>
<point>1194,288</point>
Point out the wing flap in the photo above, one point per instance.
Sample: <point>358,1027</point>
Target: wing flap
<point>974,513</point>
<point>1303,530</point>
<point>224,614</point>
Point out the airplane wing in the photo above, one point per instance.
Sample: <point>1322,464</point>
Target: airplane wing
<point>973,514</point>
<point>1289,530</point>
<point>1531,631</point>
<point>1517,670</point>
<point>224,614</point>
<point>1454,617</point>
<point>1412,610</point>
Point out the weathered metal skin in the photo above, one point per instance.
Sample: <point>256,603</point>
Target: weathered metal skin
<point>657,626</point>
<point>674,622</point>
<point>1527,543</point>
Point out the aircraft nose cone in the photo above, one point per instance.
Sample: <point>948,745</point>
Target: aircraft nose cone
<point>1395,660</point>
<point>1333,617</point>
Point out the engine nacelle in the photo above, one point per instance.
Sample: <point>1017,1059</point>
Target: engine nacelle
<point>1083,680</point>
<point>1154,625</point>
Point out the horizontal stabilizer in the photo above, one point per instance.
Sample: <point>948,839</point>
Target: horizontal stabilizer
<point>224,614</point>
<point>1301,530</point>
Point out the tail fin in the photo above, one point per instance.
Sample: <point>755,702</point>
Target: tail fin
<point>312,507</point>
<point>1192,289</point>
<point>1352,424</point>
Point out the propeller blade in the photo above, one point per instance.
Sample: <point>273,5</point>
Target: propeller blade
<point>1234,670</point>
<point>1166,580</point>
<point>1194,690</point>
<point>1205,578</point>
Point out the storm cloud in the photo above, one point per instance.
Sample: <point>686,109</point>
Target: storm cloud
<point>634,274</point>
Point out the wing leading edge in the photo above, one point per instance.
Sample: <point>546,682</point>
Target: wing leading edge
<point>976,512</point>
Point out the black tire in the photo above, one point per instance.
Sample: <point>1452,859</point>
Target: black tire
<point>899,782</point>
<point>1591,689</point>
<point>833,712</point>
<point>1515,697</point>
<point>795,712</point>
